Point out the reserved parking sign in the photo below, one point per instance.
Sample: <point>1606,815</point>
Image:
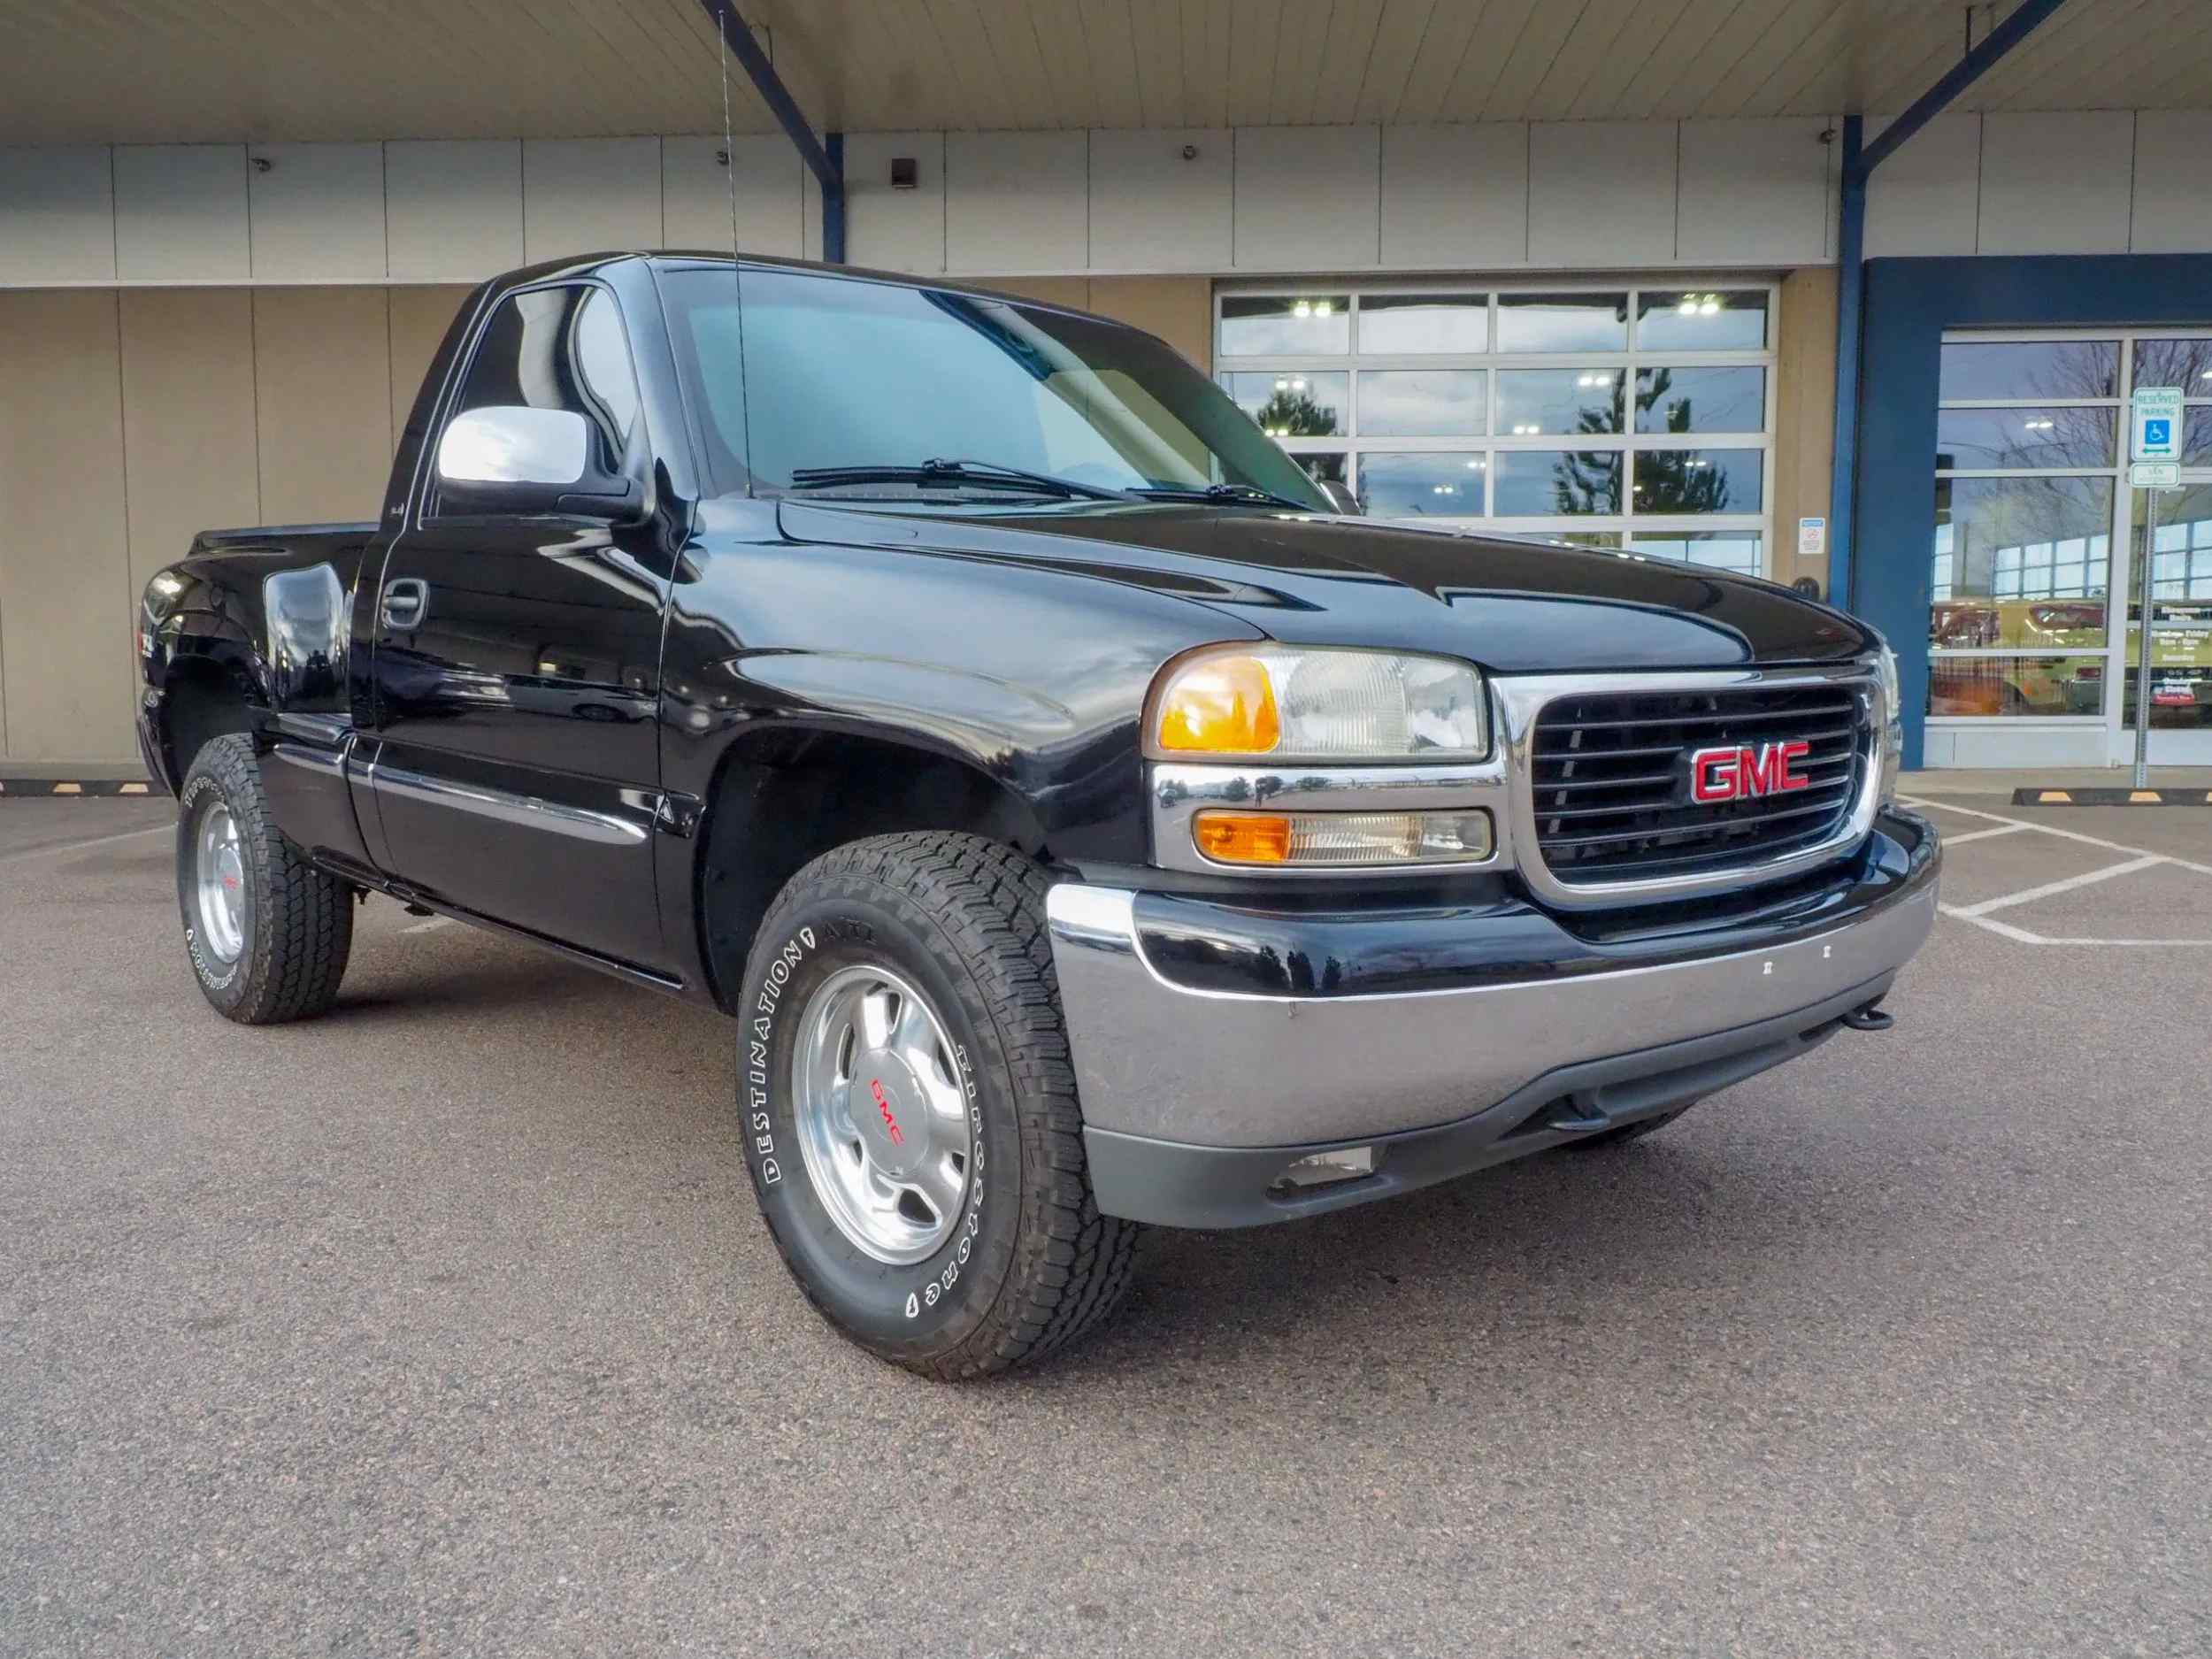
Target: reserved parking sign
<point>2158,424</point>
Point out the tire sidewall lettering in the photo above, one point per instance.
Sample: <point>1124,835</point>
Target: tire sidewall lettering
<point>908,1302</point>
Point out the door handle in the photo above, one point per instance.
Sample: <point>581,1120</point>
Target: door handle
<point>406,603</point>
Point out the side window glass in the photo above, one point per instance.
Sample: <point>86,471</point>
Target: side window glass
<point>602,363</point>
<point>558,348</point>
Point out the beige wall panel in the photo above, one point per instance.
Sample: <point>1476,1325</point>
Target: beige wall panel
<point>58,208</point>
<point>1179,310</point>
<point>318,213</point>
<point>1017,201</point>
<point>1052,291</point>
<point>323,381</point>
<point>181,213</point>
<point>66,598</point>
<point>187,418</point>
<point>452,208</point>
<point>1152,208</point>
<point>695,193</point>
<point>1804,416</point>
<point>419,317</point>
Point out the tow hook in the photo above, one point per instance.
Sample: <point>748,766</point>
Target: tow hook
<point>1868,1018</point>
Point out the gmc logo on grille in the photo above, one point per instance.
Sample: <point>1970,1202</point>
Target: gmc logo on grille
<point>1742,774</point>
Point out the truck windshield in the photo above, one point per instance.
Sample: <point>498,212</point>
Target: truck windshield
<point>874,381</point>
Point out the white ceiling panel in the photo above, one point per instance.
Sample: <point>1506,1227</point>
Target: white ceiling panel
<point>88,71</point>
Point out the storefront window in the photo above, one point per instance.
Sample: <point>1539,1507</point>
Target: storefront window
<point>1980,440</point>
<point>2028,369</point>
<point>2028,686</point>
<point>1715,549</point>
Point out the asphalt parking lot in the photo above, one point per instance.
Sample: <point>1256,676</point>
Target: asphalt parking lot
<point>446,1324</point>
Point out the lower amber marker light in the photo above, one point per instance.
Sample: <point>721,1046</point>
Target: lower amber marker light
<point>1345,841</point>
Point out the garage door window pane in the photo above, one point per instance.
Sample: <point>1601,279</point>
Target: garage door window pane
<point>1562,322</point>
<point>1566,401</point>
<point>1322,467</point>
<point>1547,483</point>
<point>2184,363</point>
<point>1392,323</point>
<point>1700,480</point>
<point>1700,400</point>
<point>1984,439</point>
<point>1291,325</point>
<point>1423,403</point>
<point>1976,371</point>
<point>1293,405</point>
<point>1440,485</point>
<point>2006,549</point>
<point>1700,319</point>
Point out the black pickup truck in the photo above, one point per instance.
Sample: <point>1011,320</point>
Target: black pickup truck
<point>1086,819</point>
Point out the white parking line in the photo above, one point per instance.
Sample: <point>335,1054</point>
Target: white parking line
<point>2064,835</point>
<point>424,927</point>
<point>2050,889</point>
<point>1978,914</point>
<point>1983,835</point>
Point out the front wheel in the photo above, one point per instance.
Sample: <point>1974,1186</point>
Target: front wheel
<point>909,1107</point>
<point>268,932</point>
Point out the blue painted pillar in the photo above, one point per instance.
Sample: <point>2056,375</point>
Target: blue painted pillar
<point>1850,316</point>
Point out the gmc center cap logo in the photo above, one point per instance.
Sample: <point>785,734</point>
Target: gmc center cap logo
<point>1744,772</point>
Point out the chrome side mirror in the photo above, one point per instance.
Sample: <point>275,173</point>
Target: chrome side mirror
<point>510,444</point>
<point>506,458</point>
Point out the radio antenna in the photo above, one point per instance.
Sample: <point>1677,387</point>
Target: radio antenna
<point>729,21</point>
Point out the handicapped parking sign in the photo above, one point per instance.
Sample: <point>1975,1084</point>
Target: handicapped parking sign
<point>2158,424</point>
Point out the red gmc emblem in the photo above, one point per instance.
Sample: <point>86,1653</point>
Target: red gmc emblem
<point>1745,774</point>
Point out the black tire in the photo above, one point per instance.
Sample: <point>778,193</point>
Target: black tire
<point>1031,1263</point>
<point>298,922</point>
<point>1625,1134</point>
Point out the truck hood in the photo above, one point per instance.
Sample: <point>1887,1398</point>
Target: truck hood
<point>1512,606</point>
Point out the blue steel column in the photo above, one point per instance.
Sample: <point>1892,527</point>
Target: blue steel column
<point>825,162</point>
<point>1850,309</point>
<point>834,201</point>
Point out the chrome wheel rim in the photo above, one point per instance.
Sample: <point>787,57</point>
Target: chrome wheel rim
<point>882,1118</point>
<point>219,872</point>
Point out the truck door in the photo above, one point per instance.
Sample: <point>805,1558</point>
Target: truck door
<point>517,665</point>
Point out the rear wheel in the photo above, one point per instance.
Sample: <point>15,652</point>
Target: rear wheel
<point>909,1109</point>
<point>268,934</point>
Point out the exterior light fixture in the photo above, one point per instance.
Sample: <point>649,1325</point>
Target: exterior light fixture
<point>1321,308</point>
<point>1303,308</point>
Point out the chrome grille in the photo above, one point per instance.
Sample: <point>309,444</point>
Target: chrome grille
<point>1610,777</point>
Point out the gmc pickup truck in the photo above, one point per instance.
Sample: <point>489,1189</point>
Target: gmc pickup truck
<point>1085,819</point>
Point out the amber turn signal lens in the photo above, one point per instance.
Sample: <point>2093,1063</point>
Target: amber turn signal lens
<point>1243,838</point>
<point>1344,841</point>
<point>1224,705</point>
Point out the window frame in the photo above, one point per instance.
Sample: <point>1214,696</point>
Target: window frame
<point>2122,579</point>
<point>457,387</point>
<point>1625,524</point>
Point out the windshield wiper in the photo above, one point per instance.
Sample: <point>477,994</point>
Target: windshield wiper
<point>981,474</point>
<point>1249,493</point>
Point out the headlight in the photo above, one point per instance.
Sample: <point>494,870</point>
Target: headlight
<point>1248,701</point>
<point>1893,731</point>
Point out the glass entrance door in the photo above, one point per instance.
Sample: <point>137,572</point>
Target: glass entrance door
<point>2180,551</point>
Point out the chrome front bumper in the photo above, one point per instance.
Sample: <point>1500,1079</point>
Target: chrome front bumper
<point>1167,1066</point>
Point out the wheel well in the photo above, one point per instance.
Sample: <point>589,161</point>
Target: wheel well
<point>199,701</point>
<point>783,803</point>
